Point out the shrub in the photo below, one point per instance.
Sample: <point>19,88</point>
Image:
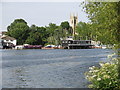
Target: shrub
<point>105,76</point>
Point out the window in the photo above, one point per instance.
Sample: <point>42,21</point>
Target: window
<point>87,41</point>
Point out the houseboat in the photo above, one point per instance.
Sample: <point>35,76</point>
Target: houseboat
<point>78,44</point>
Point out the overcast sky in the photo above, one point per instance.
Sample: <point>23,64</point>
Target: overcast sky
<point>40,13</point>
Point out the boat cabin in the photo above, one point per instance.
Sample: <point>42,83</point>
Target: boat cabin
<point>77,44</point>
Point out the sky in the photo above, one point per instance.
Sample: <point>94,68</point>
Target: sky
<point>39,13</point>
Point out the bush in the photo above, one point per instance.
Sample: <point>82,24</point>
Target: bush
<point>105,76</point>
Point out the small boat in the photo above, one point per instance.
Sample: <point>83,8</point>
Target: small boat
<point>104,47</point>
<point>33,47</point>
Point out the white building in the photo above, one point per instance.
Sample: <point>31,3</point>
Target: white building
<point>9,40</point>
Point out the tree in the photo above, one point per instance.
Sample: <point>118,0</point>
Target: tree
<point>65,25</point>
<point>104,18</point>
<point>55,34</point>
<point>44,34</point>
<point>19,30</point>
<point>33,28</point>
<point>51,28</point>
<point>84,31</point>
<point>34,39</point>
<point>59,34</point>
<point>50,31</point>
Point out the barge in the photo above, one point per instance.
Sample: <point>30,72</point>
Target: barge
<point>78,44</point>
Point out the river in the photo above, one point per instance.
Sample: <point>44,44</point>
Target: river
<point>58,68</point>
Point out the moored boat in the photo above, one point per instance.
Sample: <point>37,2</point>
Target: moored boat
<point>33,47</point>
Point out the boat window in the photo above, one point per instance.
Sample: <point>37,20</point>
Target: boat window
<point>87,41</point>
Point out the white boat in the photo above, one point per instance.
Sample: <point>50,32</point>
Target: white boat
<point>104,47</point>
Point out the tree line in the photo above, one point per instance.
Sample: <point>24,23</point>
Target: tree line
<point>53,34</point>
<point>36,35</point>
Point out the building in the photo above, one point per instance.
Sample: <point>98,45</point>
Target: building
<point>8,42</point>
<point>73,23</point>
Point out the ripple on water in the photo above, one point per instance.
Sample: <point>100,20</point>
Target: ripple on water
<point>49,68</point>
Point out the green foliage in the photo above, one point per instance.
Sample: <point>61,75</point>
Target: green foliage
<point>84,31</point>
<point>65,25</point>
<point>105,22</point>
<point>105,76</point>
<point>44,34</point>
<point>51,28</point>
<point>66,28</point>
<point>104,19</point>
<point>50,32</point>
<point>37,35</point>
<point>34,39</point>
<point>19,30</point>
<point>33,28</point>
<point>56,32</point>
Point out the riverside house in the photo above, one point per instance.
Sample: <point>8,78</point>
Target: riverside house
<point>8,42</point>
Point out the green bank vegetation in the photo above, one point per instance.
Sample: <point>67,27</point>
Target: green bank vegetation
<point>105,22</point>
<point>36,35</point>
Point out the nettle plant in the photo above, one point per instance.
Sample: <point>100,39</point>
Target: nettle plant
<point>105,76</point>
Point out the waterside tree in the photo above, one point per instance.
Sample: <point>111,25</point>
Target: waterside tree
<point>105,21</point>
<point>19,30</point>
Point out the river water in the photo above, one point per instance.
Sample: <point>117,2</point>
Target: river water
<point>58,68</point>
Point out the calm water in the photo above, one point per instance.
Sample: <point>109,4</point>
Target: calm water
<point>49,68</point>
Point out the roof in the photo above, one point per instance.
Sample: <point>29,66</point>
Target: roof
<point>8,38</point>
<point>3,32</point>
